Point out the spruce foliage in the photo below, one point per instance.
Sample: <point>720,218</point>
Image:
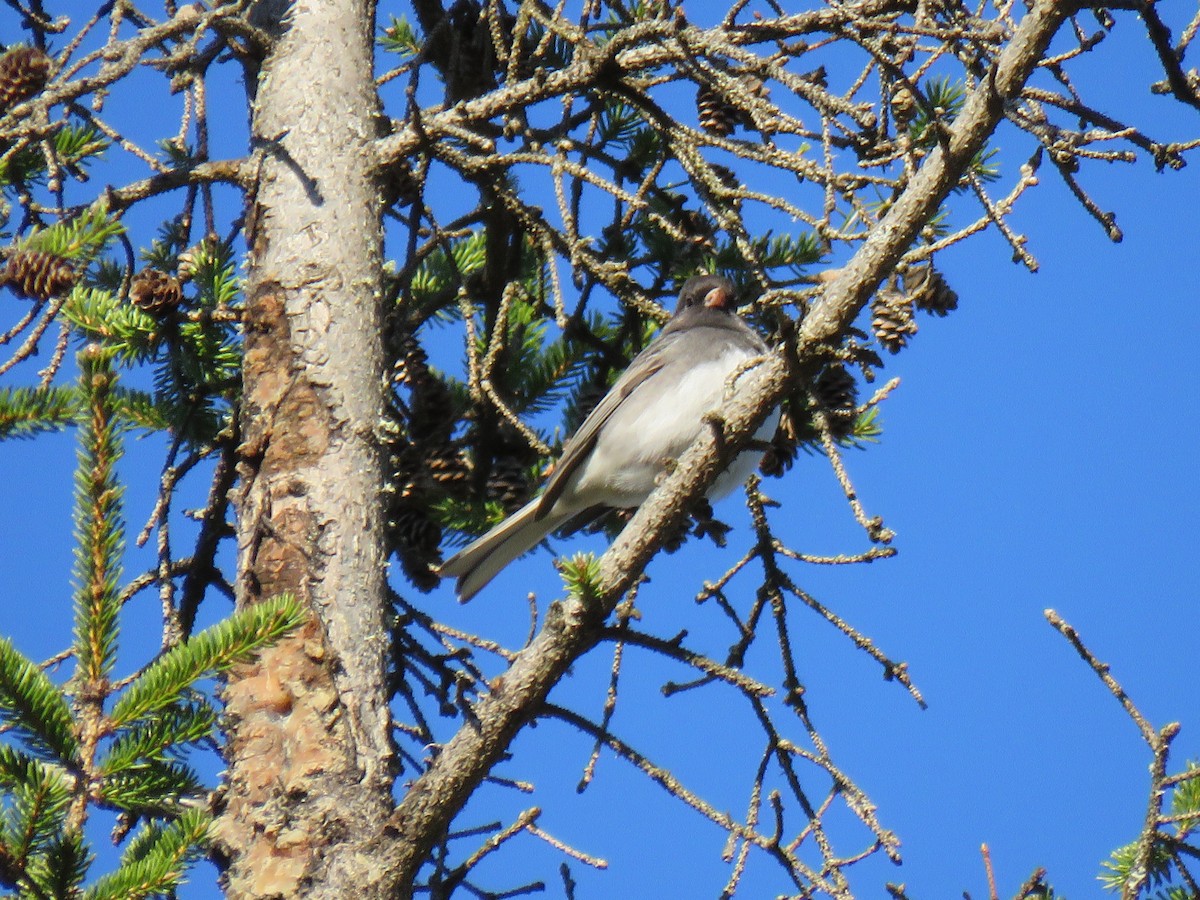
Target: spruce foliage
<point>95,743</point>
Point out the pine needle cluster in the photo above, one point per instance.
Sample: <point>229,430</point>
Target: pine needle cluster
<point>95,742</point>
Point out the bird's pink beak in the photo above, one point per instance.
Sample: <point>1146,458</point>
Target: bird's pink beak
<point>717,298</point>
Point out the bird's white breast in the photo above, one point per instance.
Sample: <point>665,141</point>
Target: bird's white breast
<point>654,426</point>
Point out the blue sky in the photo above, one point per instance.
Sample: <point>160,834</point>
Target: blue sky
<point>1040,452</point>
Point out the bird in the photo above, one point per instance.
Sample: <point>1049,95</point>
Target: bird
<point>650,416</point>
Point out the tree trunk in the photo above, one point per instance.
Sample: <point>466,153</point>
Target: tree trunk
<point>310,754</point>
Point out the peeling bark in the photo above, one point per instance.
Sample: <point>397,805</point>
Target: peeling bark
<point>310,755</point>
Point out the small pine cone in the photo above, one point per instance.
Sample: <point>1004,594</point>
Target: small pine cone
<point>429,403</point>
<point>431,419</point>
<point>412,368</point>
<point>402,482</point>
<point>473,72</point>
<point>928,291</point>
<point>705,525</point>
<point>449,469</point>
<point>24,71</point>
<point>783,449</point>
<point>416,539</point>
<point>413,530</point>
<point>509,485</point>
<point>904,106</point>
<point>422,575</point>
<point>836,390</point>
<point>755,87</point>
<point>38,275</point>
<point>464,16</point>
<point>775,462</point>
<point>155,292</point>
<point>401,187</point>
<point>188,261</point>
<point>892,319</point>
<point>675,535</point>
<point>717,116</point>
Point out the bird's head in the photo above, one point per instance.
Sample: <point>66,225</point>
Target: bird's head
<point>712,291</point>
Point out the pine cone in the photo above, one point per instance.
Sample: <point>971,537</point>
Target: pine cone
<point>695,226</point>
<point>401,187</point>
<point>928,291</point>
<point>509,485</point>
<point>784,447</point>
<point>755,87</point>
<point>24,71</point>
<point>904,106</point>
<point>892,319</point>
<point>431,416</point>
<point>430,421</point>
<point>464,17</point>
<point>412,529</point>
<point>449,469</point>
<point>38,275</point>
<point>706,525</point>
<point>416,539</point>
<point>402,466</point>
<point>836,392</point>
<point>412,367</point>
<point>474,62</point>
<point>717,115</point>
<point>675,535</point>
<point>188,262</point>
<point>155,292</point>
<point>835,389</point>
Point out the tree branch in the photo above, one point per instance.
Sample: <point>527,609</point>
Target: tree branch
<point>231,171</point>
<point>573,625</point>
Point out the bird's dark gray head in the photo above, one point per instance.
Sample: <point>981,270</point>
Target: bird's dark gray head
<point>711,291</point>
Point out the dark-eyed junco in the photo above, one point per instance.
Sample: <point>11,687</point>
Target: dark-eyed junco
<point>653,413</point>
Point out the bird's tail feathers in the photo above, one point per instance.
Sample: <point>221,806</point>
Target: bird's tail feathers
<point>480,561</point>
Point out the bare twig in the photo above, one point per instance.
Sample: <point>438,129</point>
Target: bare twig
<point>1159,742</point>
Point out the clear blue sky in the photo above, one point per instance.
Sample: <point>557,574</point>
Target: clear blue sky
<point>1039,453</point>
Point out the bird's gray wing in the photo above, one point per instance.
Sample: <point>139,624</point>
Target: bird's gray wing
<point>580,444</point>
